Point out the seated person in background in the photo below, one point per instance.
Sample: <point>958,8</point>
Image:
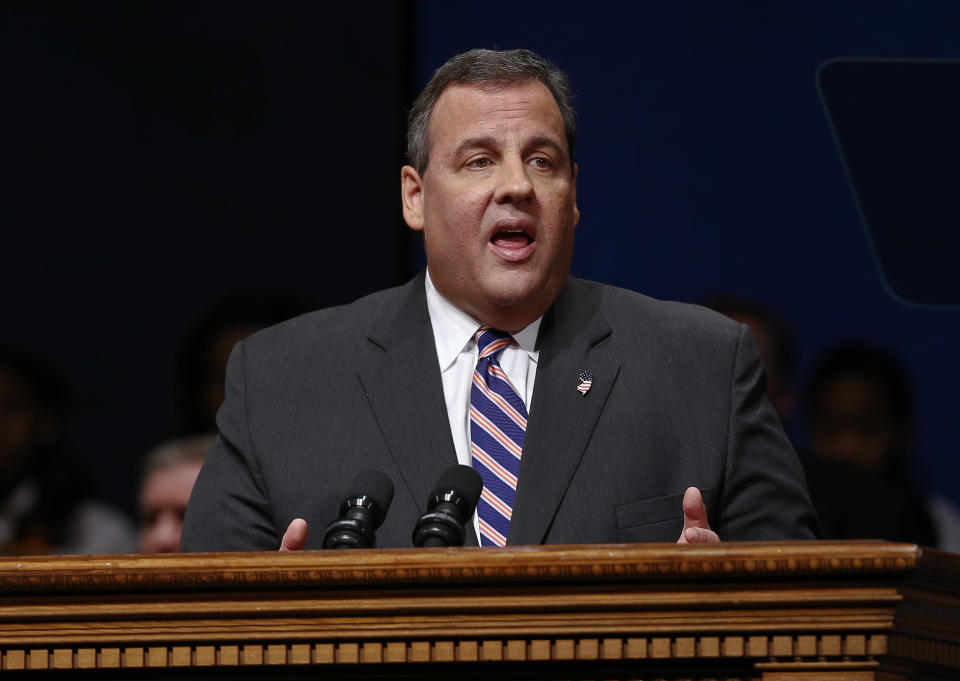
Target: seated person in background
<point>593,414</point>
<point>205,348</point>
<point>169,472</point>
<point>775,343</point>
<point>44,506</point>
<point>861,429</point>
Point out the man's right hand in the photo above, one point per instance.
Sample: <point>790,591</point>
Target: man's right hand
<point>696,528</point>
<point>295,538</point>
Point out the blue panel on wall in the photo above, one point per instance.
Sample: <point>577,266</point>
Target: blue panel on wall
<point>897,124</point>
<point>707,164</point>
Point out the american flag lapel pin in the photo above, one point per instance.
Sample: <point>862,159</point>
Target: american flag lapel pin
<point>586,381</point>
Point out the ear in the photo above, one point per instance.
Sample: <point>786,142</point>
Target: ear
<point>573,194</point>
<point>411,194</point>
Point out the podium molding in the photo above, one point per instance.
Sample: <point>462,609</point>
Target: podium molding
<point>799,611</point>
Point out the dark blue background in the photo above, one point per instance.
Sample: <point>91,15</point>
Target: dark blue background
<point>707,164</point>
<point>159,154</point>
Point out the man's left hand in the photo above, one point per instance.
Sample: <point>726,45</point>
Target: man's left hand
<point>295,538</point>
<point>696,529</point>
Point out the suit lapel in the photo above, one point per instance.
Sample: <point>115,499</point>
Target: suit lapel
<point>561,419</point>
<point>401,378</point>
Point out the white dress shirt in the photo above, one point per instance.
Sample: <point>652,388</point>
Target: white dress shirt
<point>453,332</point>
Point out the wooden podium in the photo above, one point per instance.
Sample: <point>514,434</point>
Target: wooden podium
<point>831,611</point>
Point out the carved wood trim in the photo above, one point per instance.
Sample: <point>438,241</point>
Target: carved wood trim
<point>816,610</point>
<point>781,652</point>
<point>633,562</point>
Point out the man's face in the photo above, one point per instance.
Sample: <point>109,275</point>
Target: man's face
<point>497,202</point>
<point>853,423</point>
<point>163,503</point>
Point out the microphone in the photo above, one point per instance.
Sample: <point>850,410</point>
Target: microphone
<point>450,505</point>
<point>361,513</point>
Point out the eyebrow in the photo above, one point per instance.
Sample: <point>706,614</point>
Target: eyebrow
<point>544,141</point>
<point>487,141</point>
<point>473,143</point>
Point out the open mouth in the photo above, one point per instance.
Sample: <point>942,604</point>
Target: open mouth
<point>514,241</point>
<point>511,239</point>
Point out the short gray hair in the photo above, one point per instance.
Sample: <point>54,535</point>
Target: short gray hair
<point>175,452</point>
<point>498,68</point>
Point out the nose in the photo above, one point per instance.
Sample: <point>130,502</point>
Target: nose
<point>163,536</point>
<point>514,185</point>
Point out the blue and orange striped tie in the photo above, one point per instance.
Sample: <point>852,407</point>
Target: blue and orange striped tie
<point>498,421</point>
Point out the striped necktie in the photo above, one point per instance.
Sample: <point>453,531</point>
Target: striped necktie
<point>498,421</point>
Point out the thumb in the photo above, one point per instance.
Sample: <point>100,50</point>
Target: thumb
<point>696,528</point>
<point>295,538</point>
<point>694,510</point>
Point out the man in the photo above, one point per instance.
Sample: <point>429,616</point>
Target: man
<point>45,501</point>
<point>169,473</point>
<point>616,403</point>
<point>861,431</point>
<point>775,343</point>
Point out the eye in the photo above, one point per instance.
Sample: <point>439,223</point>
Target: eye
<point>541,162</point>
<point>479,163</point>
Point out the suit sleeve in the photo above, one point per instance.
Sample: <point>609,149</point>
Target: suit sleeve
<point>228,509</point>
<point>764,494</point>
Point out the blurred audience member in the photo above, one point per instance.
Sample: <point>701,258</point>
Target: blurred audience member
<point>169,472</point>
<point>44,506</point>
<point>206,347</point>
<point>860,432</point>
<point>775,343</point>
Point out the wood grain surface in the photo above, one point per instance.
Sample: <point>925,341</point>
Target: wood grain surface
<point>839,611</point>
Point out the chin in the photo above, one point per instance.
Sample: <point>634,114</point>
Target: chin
<point>511,293</point>
<point>517,307</point>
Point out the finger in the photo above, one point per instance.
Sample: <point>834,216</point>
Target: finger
<point>694,510</point>
<point>295,538</point>
<point>696,528</point>
<point>698,535</point>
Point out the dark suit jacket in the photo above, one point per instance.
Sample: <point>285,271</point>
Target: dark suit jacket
<point>677,400</point>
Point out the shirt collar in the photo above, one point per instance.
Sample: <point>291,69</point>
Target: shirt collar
<point>453,329</point>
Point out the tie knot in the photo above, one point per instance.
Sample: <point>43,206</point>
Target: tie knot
<point>491,341</point>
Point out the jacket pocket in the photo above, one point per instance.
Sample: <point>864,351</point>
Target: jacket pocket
<point>657,510</point>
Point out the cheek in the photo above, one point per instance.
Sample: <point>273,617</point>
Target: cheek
<point>561,239</point>
<point>453,227</point>
<point>455,201</point>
